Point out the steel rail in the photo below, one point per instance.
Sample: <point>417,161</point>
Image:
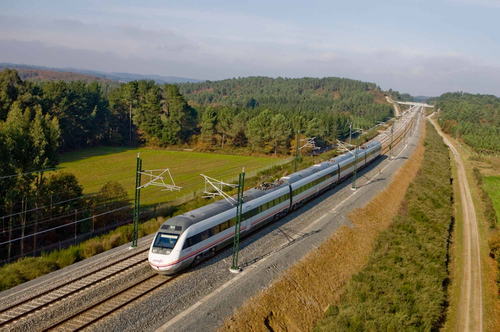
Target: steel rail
<point>59,297</point>
<point>117,305</point>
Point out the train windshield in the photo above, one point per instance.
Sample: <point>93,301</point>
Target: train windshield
<point>165,241</point>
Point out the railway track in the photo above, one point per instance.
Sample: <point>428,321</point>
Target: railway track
<point>85,317</point>
<point>26,307</point>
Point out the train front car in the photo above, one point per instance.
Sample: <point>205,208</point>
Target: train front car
<point>165,251</point>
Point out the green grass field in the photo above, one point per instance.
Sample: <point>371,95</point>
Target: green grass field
<point>491,185</point>
<point>96,166</point>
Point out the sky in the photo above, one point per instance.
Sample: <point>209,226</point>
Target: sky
<point>420,47</point>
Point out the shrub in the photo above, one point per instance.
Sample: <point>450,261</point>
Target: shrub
<point>92,247</point>
<point>113,241</point>
<point>494,244</point>
<point>30,267</point>
<point>68,256</point>
<point>9,277</point>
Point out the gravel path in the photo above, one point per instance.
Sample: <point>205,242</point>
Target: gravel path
<point>471,293</point>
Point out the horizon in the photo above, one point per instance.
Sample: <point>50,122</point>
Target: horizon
<point>422,48</point>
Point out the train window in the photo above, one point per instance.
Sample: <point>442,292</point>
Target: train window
<point>165,241</point>
<point>188,243</point>
<point>232,222</point>
<point>216,229</point>
<point>205,235</point>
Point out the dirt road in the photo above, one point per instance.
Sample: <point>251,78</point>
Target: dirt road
<point>397,111</point>
<point>471,299</point>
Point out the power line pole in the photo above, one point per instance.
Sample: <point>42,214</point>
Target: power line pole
<point>355,165</point>
<point>297,151</point>
<point>241,183</point>
<point>130,121</point>
<point>350,131</point>
<point>137,200</point>
<point>390,145</point>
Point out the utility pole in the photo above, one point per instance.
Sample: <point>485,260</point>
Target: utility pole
<point>355,165</point>
<point>297,151</point>
<point>137,200</point>
<point>350,130</point>
<point>390,145</point>
<point>241,184</point>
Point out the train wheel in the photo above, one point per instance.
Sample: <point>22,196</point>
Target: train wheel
<point>196,260</point>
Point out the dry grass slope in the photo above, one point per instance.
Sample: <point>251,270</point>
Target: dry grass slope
<point>319,279</point>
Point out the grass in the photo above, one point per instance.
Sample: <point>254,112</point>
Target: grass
<point>317,280</point>
<point>95,166</point>
<point>491,184</point>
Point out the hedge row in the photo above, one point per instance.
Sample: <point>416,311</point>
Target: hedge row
<point>403,286</point>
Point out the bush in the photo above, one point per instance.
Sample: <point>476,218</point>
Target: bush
<point>68,256</point>
<point>24,270</point>
<point>92,247</point>
<point>113,241</point>
<point>31,267</point>
<point>494,244</point>
<point>9,277</point>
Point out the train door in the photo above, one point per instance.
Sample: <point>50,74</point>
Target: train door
<point>248,221</point>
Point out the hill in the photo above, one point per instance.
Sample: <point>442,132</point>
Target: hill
<point>471,118</point>
<point>308,97</point>
<point>98,75</point>
<point>39,75</point>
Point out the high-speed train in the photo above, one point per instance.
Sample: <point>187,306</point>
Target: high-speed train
<point>188,238</point>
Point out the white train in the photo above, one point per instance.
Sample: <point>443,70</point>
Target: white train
<point>187,238</point>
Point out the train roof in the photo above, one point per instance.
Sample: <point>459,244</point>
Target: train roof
<point>195,216</point>
<point>297,176</point>
<point>342,157</point>
<point>371,144</point>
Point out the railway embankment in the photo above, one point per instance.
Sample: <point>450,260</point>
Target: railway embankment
<point>300,297</point>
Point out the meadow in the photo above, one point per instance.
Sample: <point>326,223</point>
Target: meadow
<point>95,166</point>
<point>491,184</point>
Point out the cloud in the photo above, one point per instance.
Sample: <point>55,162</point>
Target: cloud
<point>121,39</point>
<point>390,68</point>
<point>478,3</point>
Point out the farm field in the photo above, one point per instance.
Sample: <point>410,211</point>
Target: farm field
<point>95,166</point>
<point>491,185</point>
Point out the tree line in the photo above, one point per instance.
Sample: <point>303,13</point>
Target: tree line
<point>472,118</point>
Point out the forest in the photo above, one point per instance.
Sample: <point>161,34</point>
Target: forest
<point>472,118</point>
<point>41,120</point>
